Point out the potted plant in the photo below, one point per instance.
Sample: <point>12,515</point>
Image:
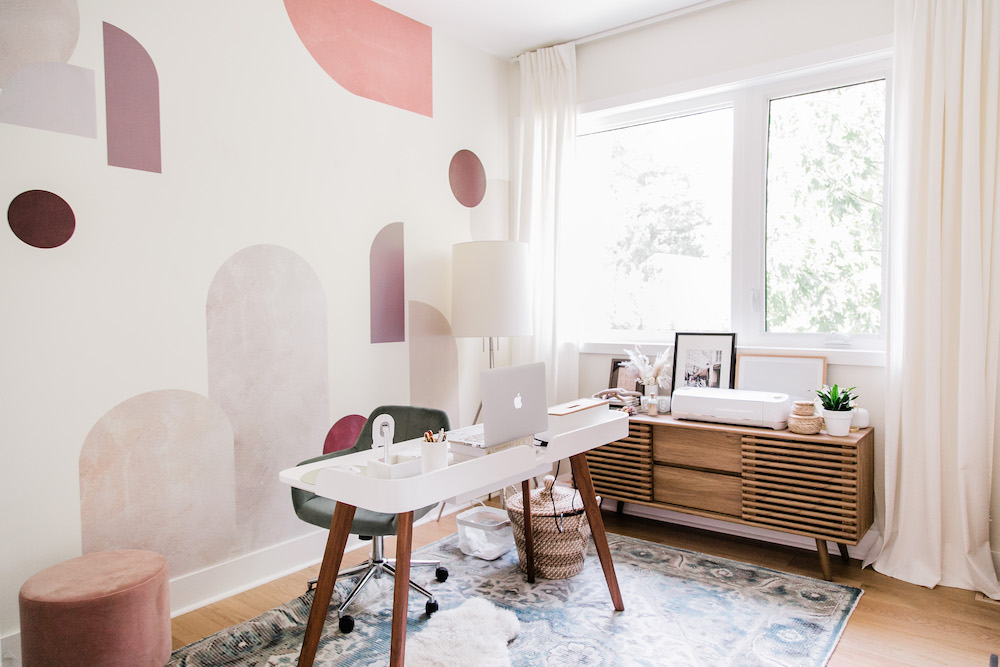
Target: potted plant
<point>838,409</point>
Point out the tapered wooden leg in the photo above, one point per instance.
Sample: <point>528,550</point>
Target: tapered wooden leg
<point>529,539</point>
<point>581,473</point>
<point>824,559</point>
<point>340,528</point>
<point>846,557</point>
<point>401,588</point>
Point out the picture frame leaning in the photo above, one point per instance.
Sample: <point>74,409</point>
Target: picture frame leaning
<point>704,359</point>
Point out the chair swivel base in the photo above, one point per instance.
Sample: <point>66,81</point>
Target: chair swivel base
<point>374,568</point>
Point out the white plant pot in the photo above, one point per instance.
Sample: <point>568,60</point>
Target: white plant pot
<point>838,422</point>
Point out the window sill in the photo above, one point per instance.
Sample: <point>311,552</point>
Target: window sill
<point>840,357</point>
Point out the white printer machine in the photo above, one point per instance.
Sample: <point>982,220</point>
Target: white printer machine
<point>732,406</point>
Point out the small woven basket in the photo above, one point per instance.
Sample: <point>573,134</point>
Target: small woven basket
<point>559,528</point>
<point>805,425</point>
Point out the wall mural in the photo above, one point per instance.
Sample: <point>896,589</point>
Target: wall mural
<point>433,361</point>
<point>386,293</point>
<point>267,369</point>
<point>51,96</point>
<point>368,49</point>
<point>41,219</point>
<point>156,470</point>
<point>467,178</point>
<point>132,97</point>
<point>36,31</point>
<point>344,433</point>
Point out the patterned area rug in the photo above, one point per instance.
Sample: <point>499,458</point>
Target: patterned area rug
<point>681,608</point>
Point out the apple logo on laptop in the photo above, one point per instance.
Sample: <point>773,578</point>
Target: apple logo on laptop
<point>517,401</point>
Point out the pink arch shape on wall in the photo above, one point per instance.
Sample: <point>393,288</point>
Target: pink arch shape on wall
<point>132,95</point>
<point>368,49</point>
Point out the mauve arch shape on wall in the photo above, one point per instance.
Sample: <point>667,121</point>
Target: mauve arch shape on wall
<point>368,49</point>
<point>268,370</point>
<point>36,31</point>
<point>467,178</point>
<point>156,473</point>
<point>51,96</point>
<point>386,285</point>
<point>132,97</point>
<point>41,219</point>
<point>344,433</point>
<point>433,361</point>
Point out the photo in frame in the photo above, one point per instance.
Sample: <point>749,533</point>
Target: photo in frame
<point>623,378</point>
<point>704,360</point>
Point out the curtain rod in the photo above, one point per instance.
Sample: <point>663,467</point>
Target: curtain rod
<point>690,9</point>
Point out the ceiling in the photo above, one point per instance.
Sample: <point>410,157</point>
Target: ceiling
<point>507,29</point>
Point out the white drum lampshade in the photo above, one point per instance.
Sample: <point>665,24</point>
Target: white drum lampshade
<point>490,289</point>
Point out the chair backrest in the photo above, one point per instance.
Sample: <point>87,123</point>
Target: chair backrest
<point>411,422</point>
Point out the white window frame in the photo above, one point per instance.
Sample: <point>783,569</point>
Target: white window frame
<point>750,100</point>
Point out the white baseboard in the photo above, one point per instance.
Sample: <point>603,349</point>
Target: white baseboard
<point>740,530</point>
<point>218,582</point>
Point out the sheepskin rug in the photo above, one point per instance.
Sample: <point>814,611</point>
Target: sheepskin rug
<point>475,633</point>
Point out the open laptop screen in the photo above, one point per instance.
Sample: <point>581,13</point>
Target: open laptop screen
<point>514,402</point>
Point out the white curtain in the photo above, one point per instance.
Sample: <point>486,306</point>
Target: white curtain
<point>546,142</point>
<point>941,439</point>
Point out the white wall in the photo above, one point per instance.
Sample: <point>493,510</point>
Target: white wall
<point>260,146</point>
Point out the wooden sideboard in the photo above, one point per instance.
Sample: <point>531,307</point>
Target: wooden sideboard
<point>818,486</point>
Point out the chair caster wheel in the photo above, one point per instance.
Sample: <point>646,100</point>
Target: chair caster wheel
<point>431,607</point>
<point>441,573</point>
<point>346,624</point>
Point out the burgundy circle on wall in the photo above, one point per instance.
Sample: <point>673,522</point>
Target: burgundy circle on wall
<point>41,219</point>
<point>344,433</point>
<point>467,178</point>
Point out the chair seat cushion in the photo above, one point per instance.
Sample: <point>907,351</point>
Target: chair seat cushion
<point>319,512</point>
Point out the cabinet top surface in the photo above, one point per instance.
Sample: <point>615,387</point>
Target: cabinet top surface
<point>667,420</point>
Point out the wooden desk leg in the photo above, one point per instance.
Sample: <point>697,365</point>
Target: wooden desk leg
<point>846,557</point>
<point>340,528</point>
<point>529,539</point>
<point>824,559</point>
<point>581,473</point>
<point>401,588</point>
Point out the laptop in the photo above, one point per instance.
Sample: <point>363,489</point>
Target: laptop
<point>514,406</point>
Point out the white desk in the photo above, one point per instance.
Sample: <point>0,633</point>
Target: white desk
<point>464,479</point>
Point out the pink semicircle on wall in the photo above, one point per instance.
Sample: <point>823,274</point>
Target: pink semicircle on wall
<point>368,49</point>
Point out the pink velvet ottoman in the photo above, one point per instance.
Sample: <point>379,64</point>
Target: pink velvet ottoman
<point>105,609</point>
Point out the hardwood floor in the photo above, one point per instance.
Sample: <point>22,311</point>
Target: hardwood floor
<point>895,623</point>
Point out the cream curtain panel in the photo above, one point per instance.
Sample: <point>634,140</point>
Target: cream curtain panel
<point>546,143</point>
<point>941,438</point>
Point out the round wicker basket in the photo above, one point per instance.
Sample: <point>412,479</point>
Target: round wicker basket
<point>559,528</point>
<point>805,425</point>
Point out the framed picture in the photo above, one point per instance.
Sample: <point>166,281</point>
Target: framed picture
<point>704,360</point>
<point>797,376</point>
<point>623,378</point>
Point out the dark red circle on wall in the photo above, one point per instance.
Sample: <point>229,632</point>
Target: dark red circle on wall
<point>468,178</point>
<point>41,219</point>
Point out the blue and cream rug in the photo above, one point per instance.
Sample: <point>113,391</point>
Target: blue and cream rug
<point>681,608</point>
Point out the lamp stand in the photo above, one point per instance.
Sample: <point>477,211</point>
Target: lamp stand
<point>492,366</point>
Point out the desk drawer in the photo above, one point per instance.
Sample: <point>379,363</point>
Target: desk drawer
<point>697,489</point>
<point>697,448</point>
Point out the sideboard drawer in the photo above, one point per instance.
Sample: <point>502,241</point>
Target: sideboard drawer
<point>697,448</point>
<point>697,489</point>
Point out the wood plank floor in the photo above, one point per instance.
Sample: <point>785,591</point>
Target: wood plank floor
<point>895,623</point>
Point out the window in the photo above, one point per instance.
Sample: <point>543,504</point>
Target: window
<point>823,270</point>
<point>757,210</point>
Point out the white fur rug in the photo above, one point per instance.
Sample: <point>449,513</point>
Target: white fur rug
<point>475,633</point>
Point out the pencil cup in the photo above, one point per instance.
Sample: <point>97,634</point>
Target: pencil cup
<point>433,455</point>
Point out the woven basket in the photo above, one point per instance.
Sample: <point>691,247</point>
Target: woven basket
<point>805,425</point>
<point>559,529</point>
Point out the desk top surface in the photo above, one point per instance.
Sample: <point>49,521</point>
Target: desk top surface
<point>343,478</point>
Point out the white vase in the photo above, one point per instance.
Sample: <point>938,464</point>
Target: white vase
<point>838,422</point>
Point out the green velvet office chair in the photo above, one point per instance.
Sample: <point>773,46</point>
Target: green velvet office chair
<point>410,422</point>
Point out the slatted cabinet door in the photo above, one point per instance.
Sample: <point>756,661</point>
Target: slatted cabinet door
<point>819,488</point>
<point>623,470</point>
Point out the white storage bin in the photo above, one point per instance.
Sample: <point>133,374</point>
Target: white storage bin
<point>484,532</point>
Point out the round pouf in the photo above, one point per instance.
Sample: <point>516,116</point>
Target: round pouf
<point>107,609</point>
